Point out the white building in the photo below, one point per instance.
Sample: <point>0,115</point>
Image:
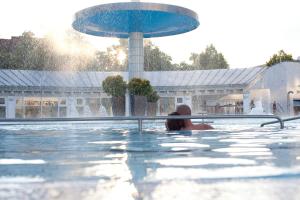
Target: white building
<point>280,85</point>
<point>27,93</point>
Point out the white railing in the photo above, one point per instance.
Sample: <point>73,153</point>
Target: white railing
<point>140,119</point>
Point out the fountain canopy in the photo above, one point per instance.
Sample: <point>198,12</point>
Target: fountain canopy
<point>121,19</point>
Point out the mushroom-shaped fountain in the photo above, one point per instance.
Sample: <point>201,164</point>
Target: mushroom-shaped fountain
<point>135,20</point>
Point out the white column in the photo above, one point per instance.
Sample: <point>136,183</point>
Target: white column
<point>10,107</point>
<point>246,103</point>
<point>290,104</point>
<point>71,107</point>
<point>127,104</point>
<point>158,107</point>
<point>268,102</point>
<point>136,55</point>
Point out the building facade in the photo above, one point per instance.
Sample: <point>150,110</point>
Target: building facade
<point>35,94</point>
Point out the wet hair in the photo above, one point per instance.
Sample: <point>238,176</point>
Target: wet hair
<point>184,109</point>
<point>174,124</point>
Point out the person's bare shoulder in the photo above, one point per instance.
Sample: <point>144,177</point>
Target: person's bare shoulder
<point>202,127</point>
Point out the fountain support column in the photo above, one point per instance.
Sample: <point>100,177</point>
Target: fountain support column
<point>136,55</point>
<point>135,62</point>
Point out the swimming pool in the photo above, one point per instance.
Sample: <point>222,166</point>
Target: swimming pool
<point>237,160</point>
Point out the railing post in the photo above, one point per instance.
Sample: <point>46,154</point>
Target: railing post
<point>140,124</point>
<point>281,122</point>
<point>273,122</point>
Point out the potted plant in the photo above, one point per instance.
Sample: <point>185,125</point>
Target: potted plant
<point>139,89</point>
<point>152,103</point>
<point>116,87</point>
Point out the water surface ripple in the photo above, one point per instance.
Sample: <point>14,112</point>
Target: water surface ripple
<point>92,161</point>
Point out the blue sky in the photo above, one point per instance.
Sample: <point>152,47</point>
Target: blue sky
<point>248,33</point>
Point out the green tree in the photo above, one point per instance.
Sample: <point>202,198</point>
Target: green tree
<point>281,56</point>
<point>209,59</point>
<point>155,59</point>
<point>41,54</point>
<point>22,53</point>
<point>182,66</point>
<point>5,59</point>
<point>109,60</point>
<point>28,52</point>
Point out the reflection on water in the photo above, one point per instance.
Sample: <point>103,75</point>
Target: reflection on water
<point>192,161</point>
<point>250,189</point>
<point>20,162</point>
<point>96,161</point>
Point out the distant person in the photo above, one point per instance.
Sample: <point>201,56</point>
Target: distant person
<point>188,125</point>
<point>252,105</point>
<point>274,107</point>
<point>175,124</point>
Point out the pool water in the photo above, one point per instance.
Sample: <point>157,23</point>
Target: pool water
<point>114,161</point>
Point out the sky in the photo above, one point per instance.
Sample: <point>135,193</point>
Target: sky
<point>247,33</point>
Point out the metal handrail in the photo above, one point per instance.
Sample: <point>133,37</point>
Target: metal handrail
<point>140,119</point>
<point>284,120</point>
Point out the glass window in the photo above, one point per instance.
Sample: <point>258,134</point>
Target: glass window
<point>2,101</point>
<point>179,100</point>
<point>19,112</point>
<point>27,92</point>
<point>63,112</point>
<point>49,111</point>
<point>28,101</point>
<point>32,107</point>
<point>19,102</point>
<point>167,105</point>
<point>32,112</point>
<point>80,110</point>
<point>94,105</point>
<point>79,101</point>
<point>62,102</point>
<point>106,103</point>
<point>50,102</point>
<point>50,107</point>
<point>2,112</point>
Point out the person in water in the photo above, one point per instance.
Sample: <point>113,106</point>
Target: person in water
<point>175,124</point>
<point>188,125</point>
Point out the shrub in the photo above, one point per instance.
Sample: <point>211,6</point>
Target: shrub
<point>139,87</point>
<point>114,86</point>
<point>153,97</point>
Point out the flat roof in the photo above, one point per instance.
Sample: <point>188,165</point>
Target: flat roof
<point>93,79</point>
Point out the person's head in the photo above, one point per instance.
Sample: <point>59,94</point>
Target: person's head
<point>183,110</point>
<point>174,124</point>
